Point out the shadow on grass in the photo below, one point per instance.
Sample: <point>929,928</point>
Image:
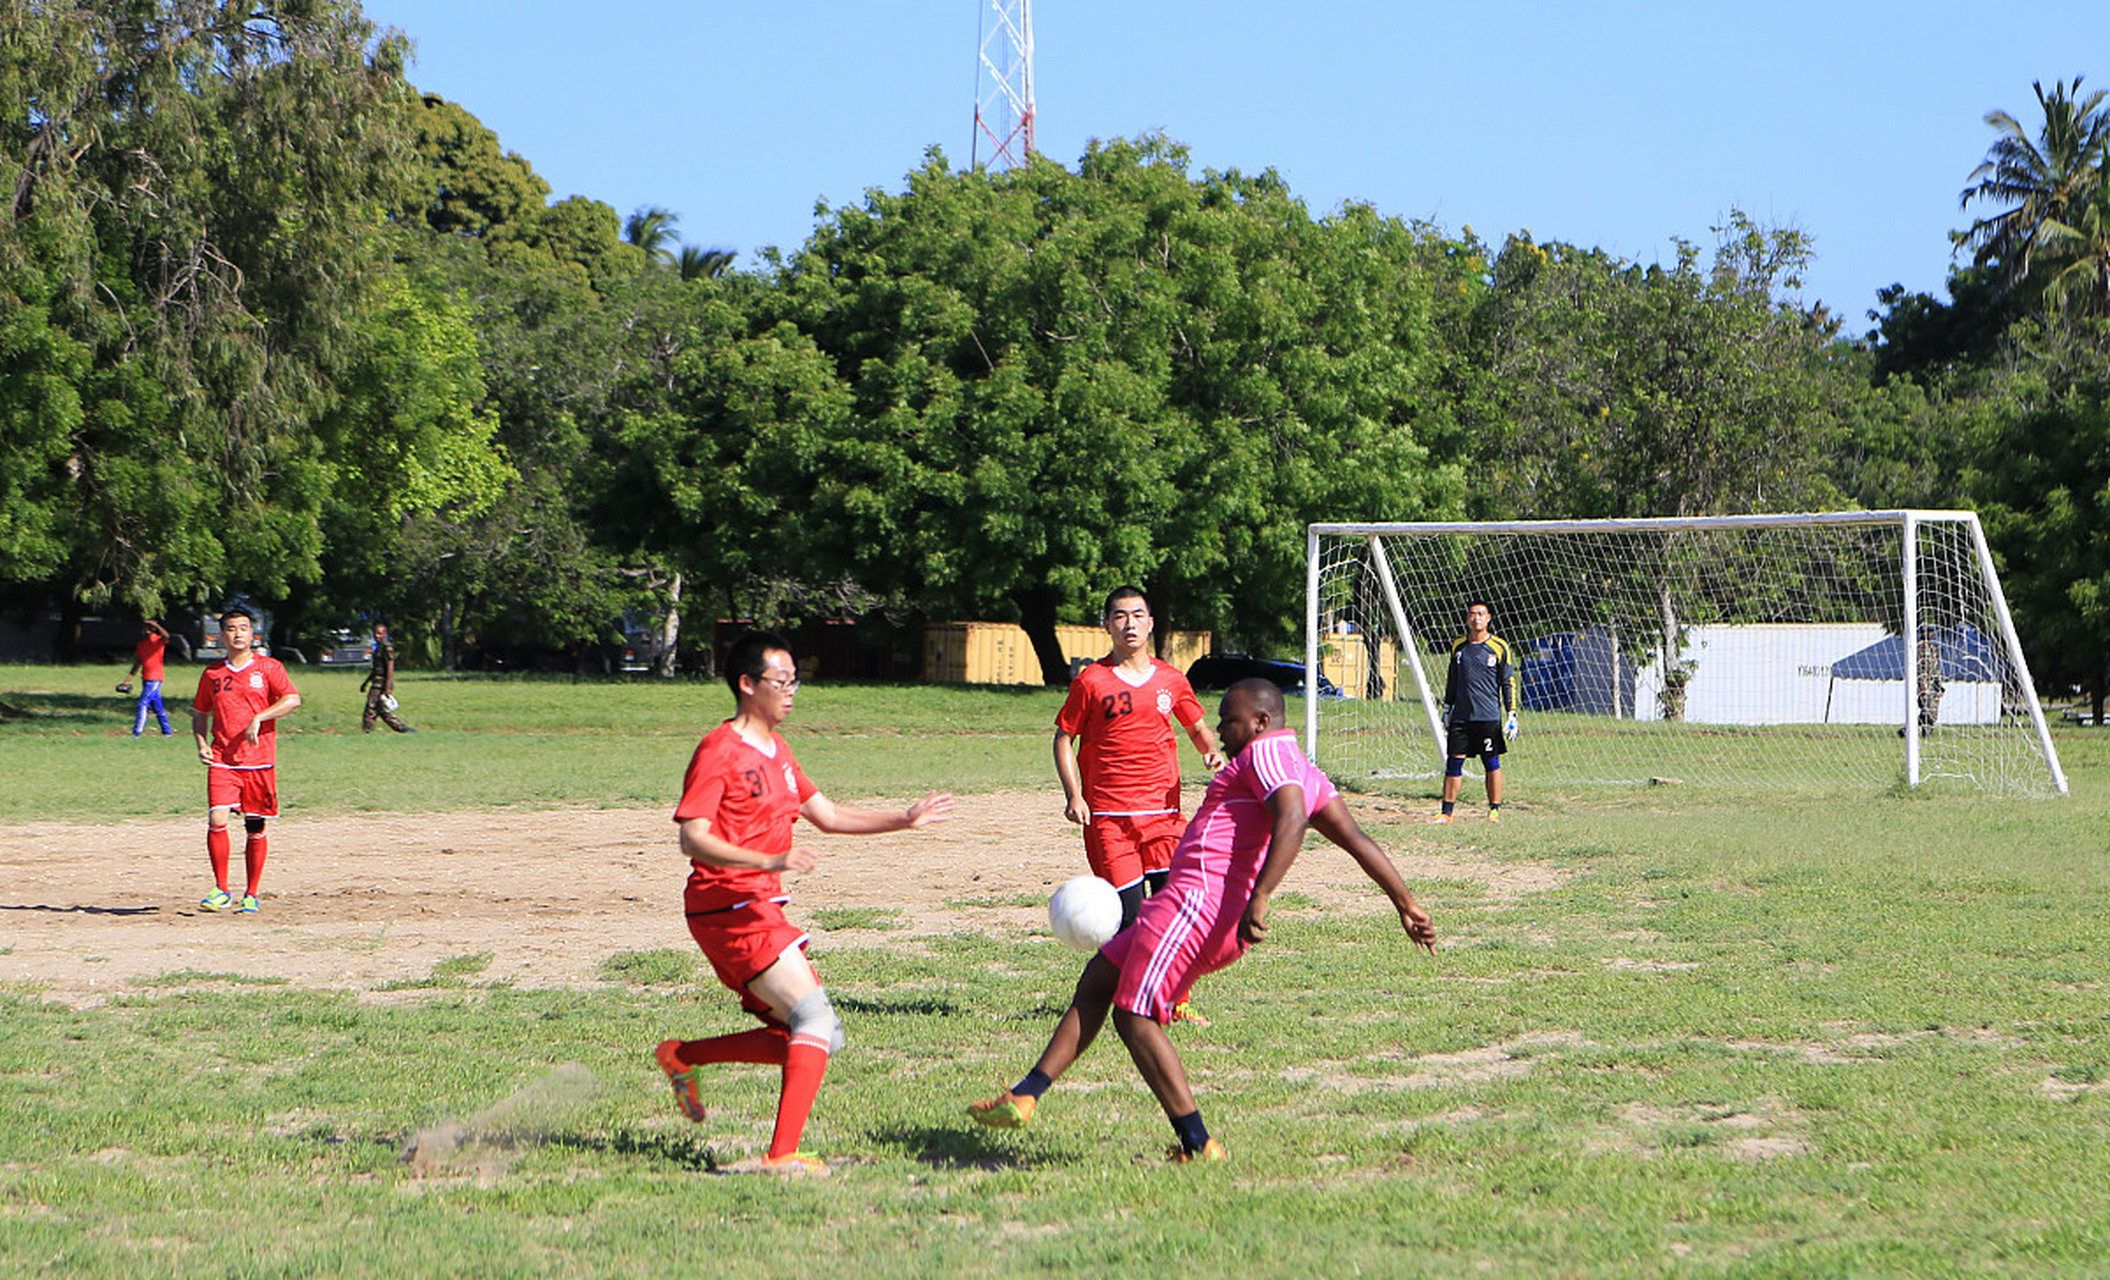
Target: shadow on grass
<point>687,1153</point>
<point>964,1147</point>
<point>79,910</point>
<point>905,1007</point>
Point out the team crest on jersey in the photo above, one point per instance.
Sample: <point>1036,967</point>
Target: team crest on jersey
<point>256,680</point>
<point>790,784</point>
<point>1490,660</point>
<point>1164,703</point>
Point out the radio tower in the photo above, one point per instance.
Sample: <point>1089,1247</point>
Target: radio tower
<point>1003,100</point>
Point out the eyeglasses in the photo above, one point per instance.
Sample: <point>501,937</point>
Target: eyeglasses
<point>782,686</point>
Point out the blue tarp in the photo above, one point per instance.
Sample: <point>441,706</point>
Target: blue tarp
<point>1965,655</point>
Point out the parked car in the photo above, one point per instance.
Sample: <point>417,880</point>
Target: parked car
<point>347,648</point>
<point>1222,670</point>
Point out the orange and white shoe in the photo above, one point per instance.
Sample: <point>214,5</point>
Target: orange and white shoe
<point>798,1163</point>
<point>1442,820</point>
<point>1212,1152</point>
<point>1006,1110</point>
<point>1185,1011</point>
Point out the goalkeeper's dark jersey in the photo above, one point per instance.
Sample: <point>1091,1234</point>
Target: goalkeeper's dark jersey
<point>1483,682</point>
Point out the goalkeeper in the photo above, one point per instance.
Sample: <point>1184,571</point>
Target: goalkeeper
<point>1480,709</point>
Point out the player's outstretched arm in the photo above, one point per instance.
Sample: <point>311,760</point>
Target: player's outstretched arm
<point>842,820</point>
<point>1204,740</point>
<point>700,844</point>
<point>1285,805</point>
<point>1338,825</point>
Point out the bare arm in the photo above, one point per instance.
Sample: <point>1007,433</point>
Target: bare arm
<point>839,819</point>
<point>272,712</point>
<point>201,729</point>
<point>1073,806</point>
<point>1338,825</point>
<point>700,844</point>
<point>1286,806</point>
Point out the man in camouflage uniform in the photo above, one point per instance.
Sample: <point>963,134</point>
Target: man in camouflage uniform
<point>381,683</point>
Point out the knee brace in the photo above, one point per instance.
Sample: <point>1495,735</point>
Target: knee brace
<point>813,1018</point>
<point>254,826</point>
<point>1454,766</point>
<point>1491,762</point>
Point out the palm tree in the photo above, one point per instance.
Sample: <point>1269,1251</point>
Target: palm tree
<point>704,264</point>
<point>2044,181</point>
<point>2072,262</point>
<point>651,229</point>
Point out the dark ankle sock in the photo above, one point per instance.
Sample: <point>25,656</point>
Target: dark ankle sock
<point>1035,1084</point>
<point>1193,1135</point>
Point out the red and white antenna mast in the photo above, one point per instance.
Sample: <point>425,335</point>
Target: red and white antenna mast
<point>1003,99</point>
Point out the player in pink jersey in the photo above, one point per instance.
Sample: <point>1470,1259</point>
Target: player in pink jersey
<point>740,798</point>
<point>1231,859</point>
<point>235,720</point>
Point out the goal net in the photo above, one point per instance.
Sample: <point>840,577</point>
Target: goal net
<point>1844,651</point>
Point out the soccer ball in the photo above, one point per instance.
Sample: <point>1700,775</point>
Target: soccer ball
<point>1085,913</point>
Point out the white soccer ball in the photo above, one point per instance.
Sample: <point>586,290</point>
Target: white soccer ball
<point>1085,913</point>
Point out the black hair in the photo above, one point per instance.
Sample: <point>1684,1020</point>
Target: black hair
<point>747,657</point>
<point>1122,593</point>
<point>238,611</point>
<point>1266,696</point>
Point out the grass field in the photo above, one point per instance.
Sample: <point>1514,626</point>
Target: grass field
<point>1737,1036</point>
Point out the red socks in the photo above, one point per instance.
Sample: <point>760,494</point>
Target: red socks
<point>216,849</point>
<point>763,1044</point>
<point>804,1065</point>
<point>253,859</point>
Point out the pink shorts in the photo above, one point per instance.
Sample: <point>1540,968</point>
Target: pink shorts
<point>253,793</point>
<point>741,943</point>
<point>1179,936</point>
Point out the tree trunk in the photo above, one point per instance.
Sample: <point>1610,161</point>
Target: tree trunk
<point>450,651</point>
<point>67,643</point>
<point>669,632</point>
<point>1036,613</point>
<point>1674,673</point>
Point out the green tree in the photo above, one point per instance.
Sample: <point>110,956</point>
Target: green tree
<point>190,205</point>
<point>1059,380</point>
<point>2047,183</point>
<point>651,231</point>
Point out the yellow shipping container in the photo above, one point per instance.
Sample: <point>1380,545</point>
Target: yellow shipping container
<point>1000,653</point>
<point>1344,658</point>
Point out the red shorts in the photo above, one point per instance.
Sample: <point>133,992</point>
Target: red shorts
<point>1178,937</point>
<point>1122,848</point>
<point>742,942</point>
<point>253,793</point>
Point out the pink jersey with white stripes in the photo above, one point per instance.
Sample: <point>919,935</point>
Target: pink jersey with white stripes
<point>1226,843</point>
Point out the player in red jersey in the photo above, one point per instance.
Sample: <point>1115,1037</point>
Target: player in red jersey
<point>739,800</point>
<point>235,719</point>
<point>147,661</point>
<point>1120,765</point>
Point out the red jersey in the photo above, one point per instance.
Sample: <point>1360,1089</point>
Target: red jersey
<point>233,696</point>
<point>148,651</point>
<point>1126,752</point>
<point>752,798</point>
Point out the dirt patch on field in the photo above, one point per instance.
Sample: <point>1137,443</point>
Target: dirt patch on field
<point>363,901</point>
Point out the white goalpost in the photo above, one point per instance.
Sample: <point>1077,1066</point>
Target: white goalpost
<point>1848,651</point>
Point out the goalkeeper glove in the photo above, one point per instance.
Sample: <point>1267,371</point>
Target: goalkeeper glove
<point>1509,726</point>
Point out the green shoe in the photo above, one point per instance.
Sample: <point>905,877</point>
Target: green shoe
<point>248,907</point>
<point>217,900</point>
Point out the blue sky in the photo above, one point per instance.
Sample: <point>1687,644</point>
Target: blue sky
<point>1618,124</point>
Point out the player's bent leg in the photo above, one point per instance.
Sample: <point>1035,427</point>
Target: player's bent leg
<point>1157,1061</point>
<point>789,986</point>
<point>1079,1026</point>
